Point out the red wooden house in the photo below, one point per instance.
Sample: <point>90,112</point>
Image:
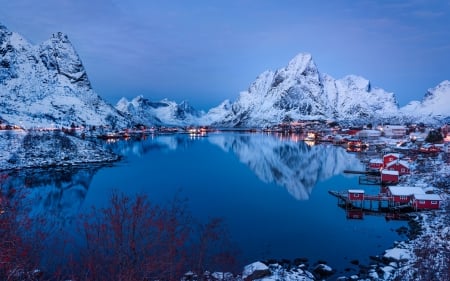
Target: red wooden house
<point>388,158</point>
<point>356,194</point>
<point>403,194</point>
<point>391,177</point>
<point>426,201</point>
<point>375,164</point>
<point>402,167</point>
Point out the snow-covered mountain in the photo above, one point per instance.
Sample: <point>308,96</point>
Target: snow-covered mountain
<point>434,106</point>
<point>164,112</point>
<point>46,85</point>
<point>300,91</point>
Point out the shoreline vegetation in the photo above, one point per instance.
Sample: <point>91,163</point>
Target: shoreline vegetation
<point>423,256</point>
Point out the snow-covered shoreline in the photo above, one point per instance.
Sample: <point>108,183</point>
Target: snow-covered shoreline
<point>34,149</point>
<point>429,251</point>
<point>425,255</point>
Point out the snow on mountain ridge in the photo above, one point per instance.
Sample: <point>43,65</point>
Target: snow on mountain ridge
<point>46,85</point>
<point>165,112</point>
<point>300,91</point>
<point>434,105</point>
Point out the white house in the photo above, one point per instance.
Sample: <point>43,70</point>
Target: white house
<point>394,131</point>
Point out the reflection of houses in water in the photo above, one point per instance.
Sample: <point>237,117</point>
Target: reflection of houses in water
<point>391,199</point>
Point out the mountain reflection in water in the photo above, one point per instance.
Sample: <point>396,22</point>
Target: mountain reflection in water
<point>294,165</point>
<point>56,193</point>
<point>231,175</point>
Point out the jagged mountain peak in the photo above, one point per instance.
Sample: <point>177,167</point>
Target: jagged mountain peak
<point>47,85</point>
<point>441,90</point>
<point>300,91</point>
<point>164,112</point>
<point>59,55</point>
<point>433,107</point>
<point>300,65</point>
<point>356,83</point>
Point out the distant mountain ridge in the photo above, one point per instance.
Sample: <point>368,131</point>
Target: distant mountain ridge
<point>434,106</point>
<point>47,85</point>
<point>300,91</point>
<point>164,112</point>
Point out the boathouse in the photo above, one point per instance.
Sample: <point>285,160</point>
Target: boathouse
<point>355,194</point>
<point>426,201</point>
<point>389,177</point>
<point>403,194</point>
<point>402,167</point>
<point>388,158</point>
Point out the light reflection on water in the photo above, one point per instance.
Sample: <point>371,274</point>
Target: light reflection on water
<point>273,193</point>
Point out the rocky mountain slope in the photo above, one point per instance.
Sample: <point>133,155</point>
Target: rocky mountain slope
<point>435,105</point>
<point>300,91</point>
<point>46,85</point>
<point>164,112</point>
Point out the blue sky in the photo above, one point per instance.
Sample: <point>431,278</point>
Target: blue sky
<point>209,51</point>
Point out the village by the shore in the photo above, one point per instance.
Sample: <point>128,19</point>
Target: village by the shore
<point>411,164</point>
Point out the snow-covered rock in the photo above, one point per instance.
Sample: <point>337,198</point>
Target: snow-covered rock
<point>164,112</point>
<point>46,85</point>
<point>297,91</point>
<point>273,272</point>
<point>300,91</point>
<point>398,254</point>
<point>41,149</point>
<point>255,270</point>
<point>434,106</point>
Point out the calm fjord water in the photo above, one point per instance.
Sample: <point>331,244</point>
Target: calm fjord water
<point>272,193</point>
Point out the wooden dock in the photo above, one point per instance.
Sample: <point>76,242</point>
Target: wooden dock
<point>344,196</point>
<point>383,202</point>
<point>370,172</point>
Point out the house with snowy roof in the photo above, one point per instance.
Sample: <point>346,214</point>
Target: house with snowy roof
<point>390,157</point>
<point>401,166</point>
<point>389,177</point>
<point>375,164</point>
<point>403,194</point>
<point>426,201</point>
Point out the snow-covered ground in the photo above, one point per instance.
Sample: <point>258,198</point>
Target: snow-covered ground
<point>425,256</point>
<point>27,149</point>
